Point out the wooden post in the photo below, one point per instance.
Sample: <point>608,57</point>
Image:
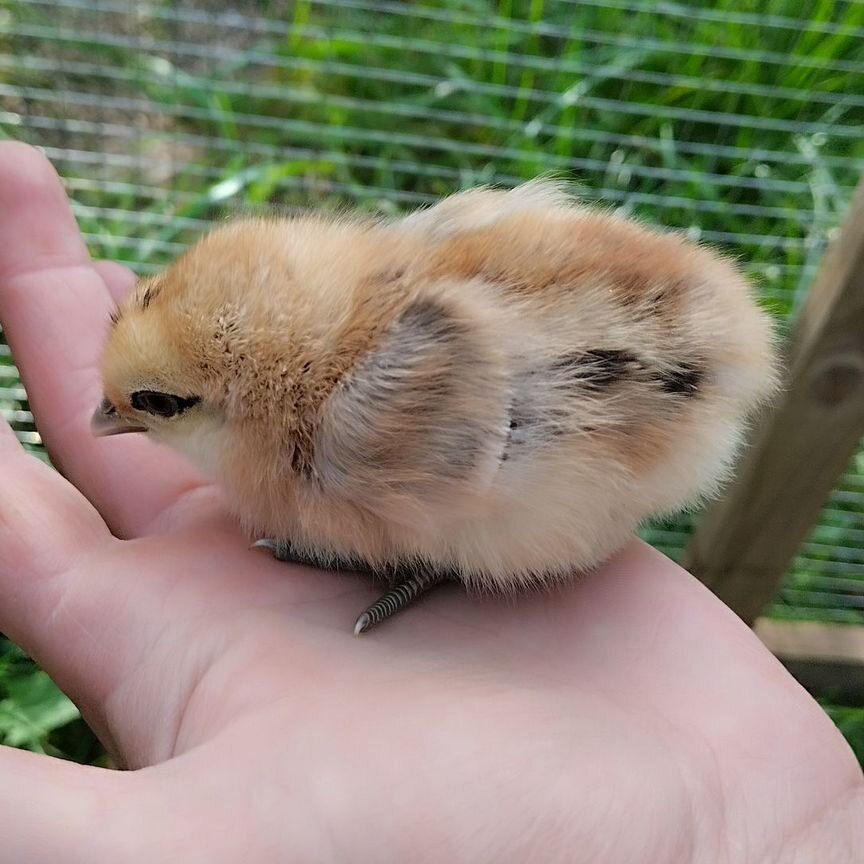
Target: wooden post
<point>744,543</point>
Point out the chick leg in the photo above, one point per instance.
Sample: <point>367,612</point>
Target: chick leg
<point>398,598</point>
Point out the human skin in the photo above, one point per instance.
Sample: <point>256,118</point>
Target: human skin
<point>628,718</point>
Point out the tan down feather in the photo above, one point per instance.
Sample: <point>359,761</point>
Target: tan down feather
<point>505,384</point>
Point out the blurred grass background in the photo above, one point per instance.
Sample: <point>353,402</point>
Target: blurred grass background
<point>737,122</point>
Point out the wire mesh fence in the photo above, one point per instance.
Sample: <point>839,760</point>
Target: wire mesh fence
<point>739,123</point>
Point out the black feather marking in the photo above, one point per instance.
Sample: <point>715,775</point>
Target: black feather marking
<point>599,368</point>
<point>684,379</point>
<point>116,314</point>
<point>407,422</point>
<point>428,320</point>
<point>150,293</point>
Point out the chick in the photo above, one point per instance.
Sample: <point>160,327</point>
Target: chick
<point>497,390</point>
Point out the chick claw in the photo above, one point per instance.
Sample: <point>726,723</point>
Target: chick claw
<point>281,549</point>
<point>399,597</point>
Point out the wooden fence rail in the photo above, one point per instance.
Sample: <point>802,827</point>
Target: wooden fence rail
<point>827,659</point>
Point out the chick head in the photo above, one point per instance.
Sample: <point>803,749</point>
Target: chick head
<point>299,354</point>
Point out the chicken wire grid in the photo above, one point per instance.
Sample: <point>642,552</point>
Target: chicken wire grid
<point>737,122</point>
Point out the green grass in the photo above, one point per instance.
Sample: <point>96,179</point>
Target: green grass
<point>850,721</point>
<point>386,111</point>
<point>36,716</point>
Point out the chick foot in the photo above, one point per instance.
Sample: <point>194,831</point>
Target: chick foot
<point>400,596</point>
<point>282,550</point>
<point>397,599</point>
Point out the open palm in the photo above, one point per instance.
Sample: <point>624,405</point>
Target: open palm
<point>630,717</point>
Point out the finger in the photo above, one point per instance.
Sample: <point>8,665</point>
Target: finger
<point>119,280</point>
<point>47,530</point>
<point>55,305</point>
<point>35,502</point>
<point>51,810</point>
<point>32,194</point>
<point>53,602</point>
<point>67,595</point>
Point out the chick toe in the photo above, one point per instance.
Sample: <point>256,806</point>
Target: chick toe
<point>398,598</point>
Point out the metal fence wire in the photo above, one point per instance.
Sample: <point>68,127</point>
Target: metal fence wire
<point>738,122</point>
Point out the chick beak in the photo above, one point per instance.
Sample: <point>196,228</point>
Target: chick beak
<point>106,421</point>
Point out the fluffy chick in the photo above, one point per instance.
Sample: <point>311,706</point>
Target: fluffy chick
<point>497,389</point>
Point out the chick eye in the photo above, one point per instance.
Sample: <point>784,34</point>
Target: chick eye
<point>161,404</point>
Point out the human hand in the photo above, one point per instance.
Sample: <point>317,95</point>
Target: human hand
<point>630,717</point>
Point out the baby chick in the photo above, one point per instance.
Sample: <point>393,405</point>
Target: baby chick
<point>497,389</point>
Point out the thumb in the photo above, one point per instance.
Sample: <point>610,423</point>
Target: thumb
<point>51,810</point>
